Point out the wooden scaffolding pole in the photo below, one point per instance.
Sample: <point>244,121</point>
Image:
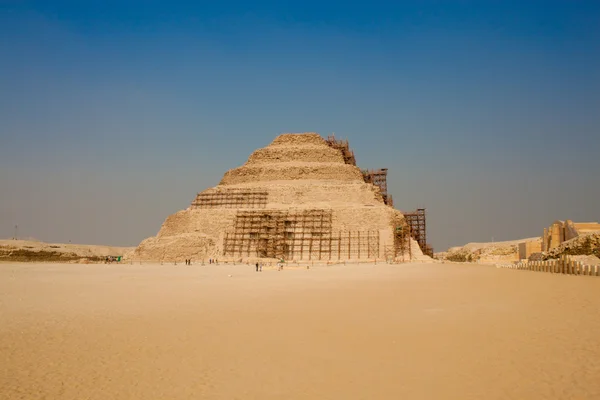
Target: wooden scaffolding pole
<point>349,240</point>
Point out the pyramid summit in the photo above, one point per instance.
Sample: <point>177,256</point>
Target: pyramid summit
<point>299,198</point>
<point>305,156</point>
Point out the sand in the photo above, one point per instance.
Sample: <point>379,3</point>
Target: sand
<point>416,331</point>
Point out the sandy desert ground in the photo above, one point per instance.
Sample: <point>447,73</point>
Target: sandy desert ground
<point>415,331</point>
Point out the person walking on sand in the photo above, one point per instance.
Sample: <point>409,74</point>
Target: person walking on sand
<point>256,267</point>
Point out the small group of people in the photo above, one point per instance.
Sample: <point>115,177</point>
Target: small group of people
<point>259,267</point>
<point>212,261</point>
<point>188,262</point>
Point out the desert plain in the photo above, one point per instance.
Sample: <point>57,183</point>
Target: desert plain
<point>409,331</point>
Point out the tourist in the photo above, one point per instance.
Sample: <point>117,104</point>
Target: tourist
<point>256,267</point>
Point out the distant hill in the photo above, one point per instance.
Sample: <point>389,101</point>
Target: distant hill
<point>36,251</point>
<point>486,251</point>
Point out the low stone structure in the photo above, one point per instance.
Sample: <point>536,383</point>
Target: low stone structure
<point>562,231</point>
<point>526,249</point>
<point>584,244</point>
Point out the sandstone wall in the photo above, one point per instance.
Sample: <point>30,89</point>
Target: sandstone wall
<point>586,227</point>
<point>526,249</point>
<point>176,248</point>
<point>188,234</point>
<point>585,244</point>
<point>561,231</point>
<point>299,139</point>
<point>317,194</point>
<point>362,218</point>
<point>206,222</point>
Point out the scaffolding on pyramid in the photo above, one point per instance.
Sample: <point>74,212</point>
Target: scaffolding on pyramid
<point>296,235</point>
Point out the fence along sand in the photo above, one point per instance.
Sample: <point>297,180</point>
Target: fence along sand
<point>564,265</point>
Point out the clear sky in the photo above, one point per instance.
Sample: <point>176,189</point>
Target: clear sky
<point>113,114</point>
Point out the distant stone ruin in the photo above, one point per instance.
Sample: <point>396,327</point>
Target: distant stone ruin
<point>300,198</point>
<point>562,231</point>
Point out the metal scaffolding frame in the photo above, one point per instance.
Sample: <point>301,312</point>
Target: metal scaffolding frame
<point>344,147</point>
<point>418,227</point>
<point>402,247</point>
<point>231,198</point>
<point>378,177</point>
<point>296,235</point>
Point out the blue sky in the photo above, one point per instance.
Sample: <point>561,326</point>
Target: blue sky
<point>114,114</point>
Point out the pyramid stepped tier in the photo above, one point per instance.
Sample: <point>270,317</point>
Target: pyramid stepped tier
<point>294,157</point>
<point>293,171</point>
<point>177,247</point>
<point>298,139</point>
<point>307,193</point>
<point>307,154</point>
<point>296,199</point>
